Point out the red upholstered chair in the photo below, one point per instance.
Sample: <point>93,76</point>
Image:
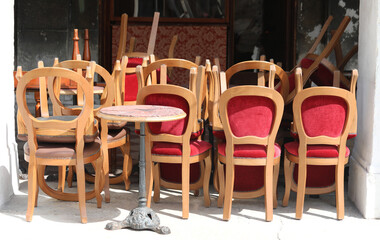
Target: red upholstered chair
<point>170,143</point>
<point>311,62</point>
<point>152,75</point>
<point>323,117</point>
<point>263,79</point>
<point>59,140</point>
<point>251,117</point>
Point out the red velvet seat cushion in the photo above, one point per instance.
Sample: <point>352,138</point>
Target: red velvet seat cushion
<point>248,178</point>
<point>219,134</point>
<point>173,172</point>
<point>175,149</point>
<point>317,176</point>
<point>134,62</point>
<point>250,115</point>
<point>249,150</point>
<point>316,151</point>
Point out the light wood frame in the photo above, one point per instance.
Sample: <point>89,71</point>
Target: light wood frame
<point>79,124</point>
<point>302,160</point>
<point>271,165</point>
<point>183,139</point>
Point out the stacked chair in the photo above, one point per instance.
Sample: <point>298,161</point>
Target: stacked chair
<point>314,161</point>
<point>59,140</point>
<point>168,164</point>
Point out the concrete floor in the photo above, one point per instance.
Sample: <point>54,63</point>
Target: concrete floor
<point>54,219</point>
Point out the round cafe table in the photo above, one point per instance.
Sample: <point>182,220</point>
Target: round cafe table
<point>140,217</point>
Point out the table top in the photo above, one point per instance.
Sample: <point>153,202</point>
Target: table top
<point>141,113</point>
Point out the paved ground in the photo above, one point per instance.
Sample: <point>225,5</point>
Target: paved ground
<point>55,219</point>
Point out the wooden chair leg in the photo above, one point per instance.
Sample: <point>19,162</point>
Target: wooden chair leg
<point>185,190</point>
<point>125,149</point>
<point>81,192</point>
<point>229,185</point>
<point>61,178</point>
<point>70,177</point>
<point>32,188</point>
<point>339,190</point>
<point>221,184</point>
<point>157,184</point>
<point>268,185</point>
<point>106,174</point>
<point>301,189</point>
<point>276,171</point>
<point>206,181</point>
<point>288,181</point>
<point>149,180</point>
<point>97,186</point>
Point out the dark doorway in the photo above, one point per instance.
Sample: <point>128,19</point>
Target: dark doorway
<point>265,27</point>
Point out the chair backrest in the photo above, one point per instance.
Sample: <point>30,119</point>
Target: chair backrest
<point>54,126</point>
<point>324,115</point>
<point>175,96</point>
<point>262,66</point>
<point>150,75</point>
<point>108,95</point>
<point>251,115</point>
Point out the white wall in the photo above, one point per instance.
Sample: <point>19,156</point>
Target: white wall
<point>8,147</point>
<point>364,176</point>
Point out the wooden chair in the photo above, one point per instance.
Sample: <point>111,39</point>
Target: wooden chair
<point>323,117</point>
<point>49,144</point>
<point>311,61</point>
<point>118,134</point>
<point>152,75</point>
<point>170,143</point>
<point>251,117</point>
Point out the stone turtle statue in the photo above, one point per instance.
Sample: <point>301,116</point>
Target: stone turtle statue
<point>140,218</point>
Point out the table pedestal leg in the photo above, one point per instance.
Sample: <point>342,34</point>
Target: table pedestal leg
<point>142,217</point>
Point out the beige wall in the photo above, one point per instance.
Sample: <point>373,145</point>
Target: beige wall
<point>8,149</point>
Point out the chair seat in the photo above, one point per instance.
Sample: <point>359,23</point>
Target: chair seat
<point>63,151</point>
<point>67,137</point>
<point>116,124</point>
<point>116,134</point>
<point>134,62</point>
<point>164,148</point>
<point>219,134</point>
<point>316,151</point>
<point>249,150</point>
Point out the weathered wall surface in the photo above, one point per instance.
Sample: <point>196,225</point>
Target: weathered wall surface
<point>311,17</point>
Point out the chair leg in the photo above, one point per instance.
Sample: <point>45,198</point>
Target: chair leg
<point>81,192</point>
<point>221,184</point>
<point>61,178</point>
<point>229,185</point>
<point>97,186</point>
<point>32,188</point>
<point>149,180</point>
<point>288,181</point>
<point>125,149</point>
<point>70,177</point>
<point>157,183</point>
<point>339,190</point>
<point>276,171</point>
<point>268,185</point>
<point>301,189</point>
<point>206,181</point>
<point>106,178</point>
<point>185,189</point>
